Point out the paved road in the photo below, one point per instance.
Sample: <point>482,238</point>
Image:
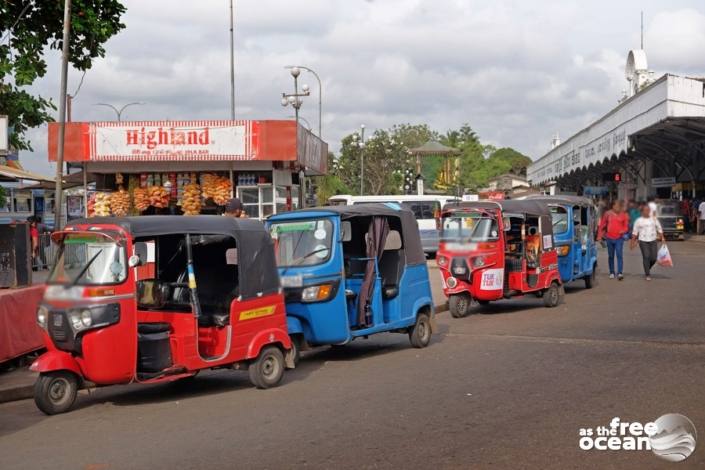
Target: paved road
<point>508,387</point>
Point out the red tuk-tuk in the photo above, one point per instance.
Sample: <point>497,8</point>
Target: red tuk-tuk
<point>492,250</point>
<point>156,299</point>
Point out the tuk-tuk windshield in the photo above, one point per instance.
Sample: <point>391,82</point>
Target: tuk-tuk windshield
<point>559,216</point>
<point>302,243</point>
<point>88,259</point>
<point>474,227</point>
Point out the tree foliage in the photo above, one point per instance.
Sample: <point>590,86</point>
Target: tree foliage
<point>28,29</point>
<point>3,198</point>
<point>386,155</point>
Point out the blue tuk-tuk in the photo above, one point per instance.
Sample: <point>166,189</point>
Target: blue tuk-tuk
<point>574,228</point>
<point>352,271</point>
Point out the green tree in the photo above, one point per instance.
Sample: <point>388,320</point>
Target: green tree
<point>3,198</point>
<point>28,28</point>
<point>330,184</point>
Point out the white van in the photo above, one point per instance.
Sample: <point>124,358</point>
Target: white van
<point>427,210</point>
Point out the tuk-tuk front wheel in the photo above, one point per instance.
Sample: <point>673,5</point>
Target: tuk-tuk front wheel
<point>267,370</point>
<point>297,342</point>
<point>591,279</point>
<point>459,305</point>
<point>552,296</point>
<point>420,333</point>
<point>55,392</point>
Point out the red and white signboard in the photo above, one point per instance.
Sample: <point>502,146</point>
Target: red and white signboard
<point>171,140</point>
<point>184,141</point>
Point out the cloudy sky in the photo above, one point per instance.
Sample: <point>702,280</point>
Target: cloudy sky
<point>517,71</point>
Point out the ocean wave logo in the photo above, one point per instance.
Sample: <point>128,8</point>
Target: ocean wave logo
<point>675,438</point>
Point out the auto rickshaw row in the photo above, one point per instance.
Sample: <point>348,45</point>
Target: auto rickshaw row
<point>158,298</point>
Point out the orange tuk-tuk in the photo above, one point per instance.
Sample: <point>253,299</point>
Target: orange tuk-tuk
<point>157,299</point>
<point>492,250</point>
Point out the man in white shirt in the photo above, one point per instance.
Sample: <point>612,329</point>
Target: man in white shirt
<point>647,231</point>
<point>701,217</point>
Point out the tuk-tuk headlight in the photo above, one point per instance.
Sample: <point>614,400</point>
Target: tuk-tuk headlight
<point>94,317</point>
<point>316,293</point>
<point>42,316</point>
<point>563,250</point>
<point>459,270</point>
<point>86,318</point>
<point>478,261</point>
<point>451,282</point>
<point>442,261</point>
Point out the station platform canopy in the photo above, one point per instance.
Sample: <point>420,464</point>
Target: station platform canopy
<point>662,123</point>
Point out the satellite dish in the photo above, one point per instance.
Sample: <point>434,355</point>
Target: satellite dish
<point>636,62</point>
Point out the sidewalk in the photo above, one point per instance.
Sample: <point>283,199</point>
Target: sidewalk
<point>17,384</point>
<point>695,238</point>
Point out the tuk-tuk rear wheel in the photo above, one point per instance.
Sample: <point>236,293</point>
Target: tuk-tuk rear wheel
<point>267,370</point>
<point>591,278</point>
<point>459,305</point>
<point>420,333</point>
<point>552,296</point>
<point>55,392</point>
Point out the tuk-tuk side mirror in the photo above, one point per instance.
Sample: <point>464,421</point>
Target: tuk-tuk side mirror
<point>134,261</point>
<point>506,224</point>
<point>345,231</point>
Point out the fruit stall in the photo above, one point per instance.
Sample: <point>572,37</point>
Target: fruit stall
<point>190,167</point>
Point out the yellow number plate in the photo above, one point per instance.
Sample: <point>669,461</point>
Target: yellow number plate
<point>257,312</point>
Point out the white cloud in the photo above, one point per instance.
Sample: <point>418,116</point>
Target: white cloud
<point>516,71</point>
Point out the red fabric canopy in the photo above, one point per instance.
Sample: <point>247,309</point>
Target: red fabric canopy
<point>19,332</point>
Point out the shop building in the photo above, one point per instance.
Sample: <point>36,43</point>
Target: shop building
<point>177,167</point>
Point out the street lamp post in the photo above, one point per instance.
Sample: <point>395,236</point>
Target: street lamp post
<point>294,99</point>
<point>359,140</point>
<point>118,111</point>
<point>320,95</point>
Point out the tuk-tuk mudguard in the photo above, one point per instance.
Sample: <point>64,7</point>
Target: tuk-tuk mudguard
<point>293,325</point>
<point>55,360</point>
<point>266,337</point>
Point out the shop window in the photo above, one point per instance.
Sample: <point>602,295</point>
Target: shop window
<point>22,201</point>
<point>257,201</point>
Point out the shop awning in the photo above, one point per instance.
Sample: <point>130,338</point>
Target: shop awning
<point>13,174</point>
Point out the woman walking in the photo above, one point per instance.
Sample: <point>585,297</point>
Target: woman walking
<point>614,225</point>
<point>647,230</point>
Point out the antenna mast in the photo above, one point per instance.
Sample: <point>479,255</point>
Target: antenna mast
<point>642,30</point>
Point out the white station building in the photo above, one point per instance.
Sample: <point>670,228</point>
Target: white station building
<point>652,144</point>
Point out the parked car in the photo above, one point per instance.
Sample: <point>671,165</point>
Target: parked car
<point>673,223</point>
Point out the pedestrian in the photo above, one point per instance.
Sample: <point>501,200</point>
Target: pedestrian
<point>701,217</point>
<point>633,212</point>
<point>647,230</point>
<point>234,209</point>
<point>34,238</point>
<point>614,228</point>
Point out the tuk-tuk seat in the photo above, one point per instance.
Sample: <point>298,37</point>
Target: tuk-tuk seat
<point>390,265</point>
<point>217,319</point>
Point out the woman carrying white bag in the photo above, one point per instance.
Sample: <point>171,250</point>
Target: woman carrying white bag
<point>647,231</point>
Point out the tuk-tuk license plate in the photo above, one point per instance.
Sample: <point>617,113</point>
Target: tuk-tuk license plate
<point>292,281</point>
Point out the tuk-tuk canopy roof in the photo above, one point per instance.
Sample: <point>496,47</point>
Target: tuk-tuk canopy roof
<point>514,206</point>
<point>258,269</point>
<point>410,228</point>
<point>565,199</point>
<point>155,225</point>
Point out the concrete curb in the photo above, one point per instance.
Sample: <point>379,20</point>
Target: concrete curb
<point>20,392</point>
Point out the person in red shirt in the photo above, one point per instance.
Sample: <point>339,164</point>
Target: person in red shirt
<point>613,227</point>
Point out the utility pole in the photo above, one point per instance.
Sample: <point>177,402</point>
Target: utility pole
<point>59,196</point>
<point>232,61</point>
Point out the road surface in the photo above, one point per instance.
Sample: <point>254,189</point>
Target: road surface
<point>507,387</point>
